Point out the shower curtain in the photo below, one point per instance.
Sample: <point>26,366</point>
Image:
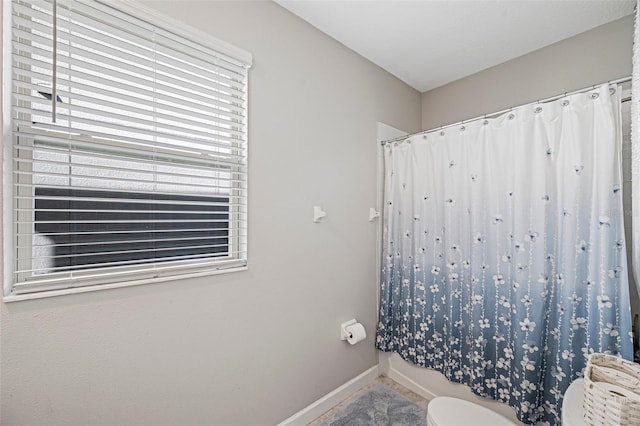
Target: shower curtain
<point>504,259</point>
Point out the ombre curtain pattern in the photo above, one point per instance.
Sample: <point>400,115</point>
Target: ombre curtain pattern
<point>504,259</point>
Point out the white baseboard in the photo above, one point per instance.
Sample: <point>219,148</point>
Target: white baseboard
<point>330,400</point>
<point>403,380</point>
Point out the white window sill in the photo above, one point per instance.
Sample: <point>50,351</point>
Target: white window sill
<point>76,290</point>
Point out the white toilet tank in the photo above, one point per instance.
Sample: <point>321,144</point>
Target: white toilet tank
<point>447,411</point>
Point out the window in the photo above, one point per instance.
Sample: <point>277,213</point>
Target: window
<point>127,149</point>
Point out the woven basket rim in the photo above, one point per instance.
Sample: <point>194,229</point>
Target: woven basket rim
<point>601,405</point>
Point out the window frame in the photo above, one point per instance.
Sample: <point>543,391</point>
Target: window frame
<point>9,246</point>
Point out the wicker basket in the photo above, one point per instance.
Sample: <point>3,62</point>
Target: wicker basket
<point>611,391</point>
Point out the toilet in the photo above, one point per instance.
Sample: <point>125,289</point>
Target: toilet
<point>572,411</point>
<point>447,411</point>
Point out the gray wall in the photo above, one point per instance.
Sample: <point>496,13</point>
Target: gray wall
<point>251,347</point>
<point>596,56</point>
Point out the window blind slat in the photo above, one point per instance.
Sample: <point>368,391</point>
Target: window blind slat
<point>223,178</point>
<point>30,40</point>
<point>192,53</point>
<point>107,244</point>
<point>104,142</point>
<point>222,112</point>
<point>119,121</point>
<point>185,189</point>
<point>133,232</point>
<point>132,252</point>
<point>132,201</point>
<point>127,261</point>
<point>116,271</point>
<point>132,65</point>
<point>191,228</point>
<point>161,39</point>
<point>108,42</point>
<point>41,11</point>
<point>95,73</point>
<point>76,272</point>
<point>44,27</point>
<point>126,221</point>
<point>139,171</point>
<point>123,108</point>
<point>133,212</point>
<point>90,83</point>
<point>132,73</point>
<point>168,145</point>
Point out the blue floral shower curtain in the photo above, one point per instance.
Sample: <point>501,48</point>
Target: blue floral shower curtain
<point>504,259</point>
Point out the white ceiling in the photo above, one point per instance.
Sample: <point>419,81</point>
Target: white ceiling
<point>428,43</point>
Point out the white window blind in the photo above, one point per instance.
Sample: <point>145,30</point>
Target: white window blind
<point>129,149</point>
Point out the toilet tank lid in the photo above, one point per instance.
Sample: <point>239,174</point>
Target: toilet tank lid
<point>445,411</point>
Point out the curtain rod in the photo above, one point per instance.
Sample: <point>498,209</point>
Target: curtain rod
<point>493,114</point>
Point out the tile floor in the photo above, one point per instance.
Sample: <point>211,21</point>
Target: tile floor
<point>411,396</point>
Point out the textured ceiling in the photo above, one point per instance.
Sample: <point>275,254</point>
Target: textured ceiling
<point>430,43</point>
